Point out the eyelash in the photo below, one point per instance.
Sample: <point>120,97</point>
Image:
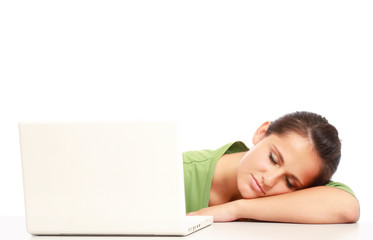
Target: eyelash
<point>288,184</point>
<point>272,159</point>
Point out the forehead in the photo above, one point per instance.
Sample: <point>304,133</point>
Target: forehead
<point>299,155</point>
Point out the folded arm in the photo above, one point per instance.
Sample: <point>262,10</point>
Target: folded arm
<point>313,205</point>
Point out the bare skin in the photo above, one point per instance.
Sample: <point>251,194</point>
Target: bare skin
<point>262,184</point>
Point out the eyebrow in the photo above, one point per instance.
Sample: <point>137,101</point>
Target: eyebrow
<point>283,162</point>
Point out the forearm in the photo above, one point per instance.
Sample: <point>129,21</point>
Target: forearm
<point>313,205</point>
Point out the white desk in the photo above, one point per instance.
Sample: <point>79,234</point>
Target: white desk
<point>14,228</point>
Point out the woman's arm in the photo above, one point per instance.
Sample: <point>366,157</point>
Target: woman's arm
<point>313,205</point>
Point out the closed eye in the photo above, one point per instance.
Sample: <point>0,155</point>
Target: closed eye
<point>288,184</point>
<point>272,159</point>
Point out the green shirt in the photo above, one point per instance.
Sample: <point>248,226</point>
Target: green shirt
<point>199,168</point>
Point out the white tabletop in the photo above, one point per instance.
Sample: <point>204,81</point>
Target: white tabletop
<point>14,228</point>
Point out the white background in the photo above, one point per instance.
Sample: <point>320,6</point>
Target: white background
<point>221,67</point>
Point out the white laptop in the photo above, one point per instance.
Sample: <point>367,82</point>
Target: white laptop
<point>113,178</point>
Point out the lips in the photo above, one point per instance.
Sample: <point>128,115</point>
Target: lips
<point>256,186</point>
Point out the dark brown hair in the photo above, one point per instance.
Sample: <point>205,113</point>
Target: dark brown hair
<point>324,137</point>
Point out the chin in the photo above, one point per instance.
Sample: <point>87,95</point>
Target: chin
<point>246,191</point>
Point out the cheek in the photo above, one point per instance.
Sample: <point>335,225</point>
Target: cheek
<point>254,162</point>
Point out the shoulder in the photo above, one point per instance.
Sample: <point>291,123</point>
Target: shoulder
<point>204,155</point>
<point>341,186</point>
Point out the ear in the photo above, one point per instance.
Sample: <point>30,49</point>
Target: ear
<point>260,132</point>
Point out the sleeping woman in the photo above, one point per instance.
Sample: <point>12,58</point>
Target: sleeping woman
<point>284,177</point>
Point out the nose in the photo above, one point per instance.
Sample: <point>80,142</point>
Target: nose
<point>272,176</point>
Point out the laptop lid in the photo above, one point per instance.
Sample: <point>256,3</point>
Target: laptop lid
<point>102,178</point>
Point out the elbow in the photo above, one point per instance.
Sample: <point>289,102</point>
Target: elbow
<point>351,213</point>
<point>352,216</point>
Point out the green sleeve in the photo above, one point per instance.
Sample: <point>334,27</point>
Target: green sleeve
<point>341,186</point>
<point>199,168</point>
<point>196,174</point>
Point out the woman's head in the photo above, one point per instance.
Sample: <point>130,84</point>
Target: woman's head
<point>296,151</point>
<point>322,134</point>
